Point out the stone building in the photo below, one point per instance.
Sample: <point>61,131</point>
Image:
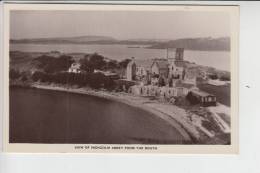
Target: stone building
<point>169,79</point>
<point>160,67</point>
<point>176,71</point>
<point>177,65</point>
<point>161,72</point>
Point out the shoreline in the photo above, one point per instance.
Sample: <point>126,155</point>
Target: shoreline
<point>131,101</point>
<point>189,125</point>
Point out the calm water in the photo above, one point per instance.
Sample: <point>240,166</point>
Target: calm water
<point>41,116</point>
<point>217,59</point>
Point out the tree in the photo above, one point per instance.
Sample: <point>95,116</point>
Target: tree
<point>41,76</point>
<point>52,65</point>
<point>84,65</point>
<point>96,80</point>
<point>91,62</point>
<point>36,76</point>
<point>192,99</point>
<point>161,81</point>
<point>63,62</point>
<point>112,64</point>
<point>109,83</point>
<point>43,60</point>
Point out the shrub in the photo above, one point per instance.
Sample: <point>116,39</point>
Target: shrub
<point>94,80</point>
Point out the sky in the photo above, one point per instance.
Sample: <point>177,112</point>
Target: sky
<point>119,24</point>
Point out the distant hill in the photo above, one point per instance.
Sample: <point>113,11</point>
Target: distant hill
<point>86,40</point>
<point>221,44</point>
<point>196,44</point>
<point>149,40</point>
<point>64,40</point>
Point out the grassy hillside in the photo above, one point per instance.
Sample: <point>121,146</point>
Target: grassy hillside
<point>22,60</point>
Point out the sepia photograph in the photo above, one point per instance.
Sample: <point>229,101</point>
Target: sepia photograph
<point>147,76</point>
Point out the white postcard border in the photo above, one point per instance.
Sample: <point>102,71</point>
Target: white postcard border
<point>180,149</point>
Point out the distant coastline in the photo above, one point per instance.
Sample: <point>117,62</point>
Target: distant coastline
<point>202,44</point>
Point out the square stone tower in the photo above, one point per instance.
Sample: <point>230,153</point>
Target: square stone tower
<point>179,54</point>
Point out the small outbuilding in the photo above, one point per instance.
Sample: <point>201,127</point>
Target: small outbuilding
<point>205,99</point>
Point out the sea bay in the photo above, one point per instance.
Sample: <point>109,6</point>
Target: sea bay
<point>217,59</point>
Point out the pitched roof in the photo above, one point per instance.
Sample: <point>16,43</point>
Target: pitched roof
<point>201,93</point>
<point>162,63</point>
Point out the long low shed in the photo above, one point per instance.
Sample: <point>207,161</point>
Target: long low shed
<point>204,98</point>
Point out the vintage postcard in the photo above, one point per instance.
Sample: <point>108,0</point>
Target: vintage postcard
<point>121,78</point>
